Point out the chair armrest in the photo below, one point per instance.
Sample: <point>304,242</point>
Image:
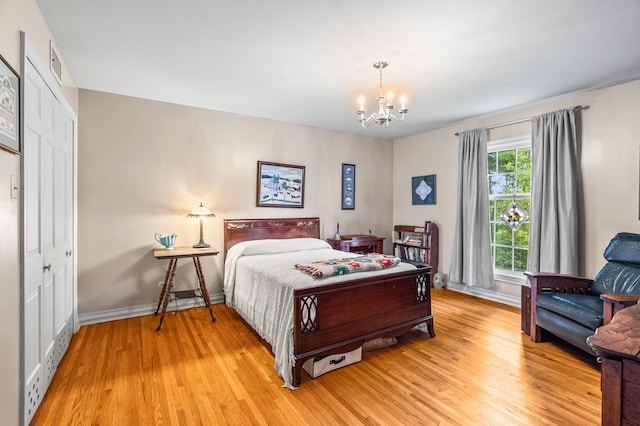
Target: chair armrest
<point>549,282</point>
<point>557,283</point>
<point>613,303</point>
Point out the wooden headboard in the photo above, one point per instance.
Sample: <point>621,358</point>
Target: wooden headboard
<point>237,230</point>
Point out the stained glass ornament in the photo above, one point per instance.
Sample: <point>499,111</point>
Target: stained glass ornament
<point>514,216</point>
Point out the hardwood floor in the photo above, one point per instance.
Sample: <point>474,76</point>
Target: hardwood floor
<point>479,370</point>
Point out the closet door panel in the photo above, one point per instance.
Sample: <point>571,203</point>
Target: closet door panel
<point>33,247</point>
<point>48,331</point>
<point>34,262</point>
<point>69,137</point>
<point>33,355</point>
<point>59,299</point>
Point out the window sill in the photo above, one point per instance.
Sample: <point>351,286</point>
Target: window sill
<point>509,278</point>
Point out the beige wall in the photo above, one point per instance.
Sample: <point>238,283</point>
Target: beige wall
<point>10,301</point>
<point>143,165</point>
<point>16,16</point>
<point>609,165</point>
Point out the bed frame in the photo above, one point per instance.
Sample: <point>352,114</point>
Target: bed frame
<point>347,314</point>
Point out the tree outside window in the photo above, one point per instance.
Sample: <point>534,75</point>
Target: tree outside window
<point>509,179</point>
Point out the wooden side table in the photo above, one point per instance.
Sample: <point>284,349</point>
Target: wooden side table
<point>173,256</point>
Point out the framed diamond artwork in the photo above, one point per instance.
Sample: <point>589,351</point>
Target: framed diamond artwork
<point>423,190</point>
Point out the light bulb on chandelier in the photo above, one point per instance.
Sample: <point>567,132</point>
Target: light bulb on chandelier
<point>385,106</point>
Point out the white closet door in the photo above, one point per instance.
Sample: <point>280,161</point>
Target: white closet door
<point>35,136</point>
<point>48,235</point>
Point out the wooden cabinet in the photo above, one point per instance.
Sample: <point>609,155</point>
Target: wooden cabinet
<point>417,244</point>
<point>620,392</point>
<point>618,346</point>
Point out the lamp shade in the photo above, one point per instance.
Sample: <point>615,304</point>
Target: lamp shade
<point>201,211</point>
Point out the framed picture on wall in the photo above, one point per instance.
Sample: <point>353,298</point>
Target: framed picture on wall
<point>9,107</point>
<point>423,190</point>
<point>280,185</point>
<point>348,186</point>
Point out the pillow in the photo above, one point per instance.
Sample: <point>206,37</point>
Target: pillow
<point>379,343</point>
<point>269,246</point>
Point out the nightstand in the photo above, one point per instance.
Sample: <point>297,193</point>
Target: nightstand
<point>173,255</point>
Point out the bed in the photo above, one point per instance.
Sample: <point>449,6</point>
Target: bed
<point>302,317</point>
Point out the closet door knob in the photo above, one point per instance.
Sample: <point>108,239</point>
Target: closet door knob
<point>47,268</point>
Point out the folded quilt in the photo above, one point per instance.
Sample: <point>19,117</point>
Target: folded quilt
<point>329,268</point>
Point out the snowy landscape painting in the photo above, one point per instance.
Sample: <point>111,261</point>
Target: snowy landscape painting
<point>280,185</point>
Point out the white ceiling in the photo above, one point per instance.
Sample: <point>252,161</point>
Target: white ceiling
<point>307,62</point>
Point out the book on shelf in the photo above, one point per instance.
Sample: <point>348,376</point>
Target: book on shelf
<point>413,254</point>
<point>413,240</point>
<point>427,226</point>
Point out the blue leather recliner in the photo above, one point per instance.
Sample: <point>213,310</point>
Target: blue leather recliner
<point>571,308</point>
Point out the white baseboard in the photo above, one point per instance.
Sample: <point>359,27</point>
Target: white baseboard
<point>140,310</point>
<point>485,293</point>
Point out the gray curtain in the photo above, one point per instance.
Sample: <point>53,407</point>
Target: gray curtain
<point>471,262</point>
<point>553,238</point>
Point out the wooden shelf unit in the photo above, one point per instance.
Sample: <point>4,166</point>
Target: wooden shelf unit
<point>417,244</point>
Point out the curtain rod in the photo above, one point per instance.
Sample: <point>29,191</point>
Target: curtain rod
<point>524,120</point>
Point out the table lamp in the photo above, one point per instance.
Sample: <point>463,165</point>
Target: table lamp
<point>201,212</point>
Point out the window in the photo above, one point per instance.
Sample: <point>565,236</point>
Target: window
<point>509,168</point>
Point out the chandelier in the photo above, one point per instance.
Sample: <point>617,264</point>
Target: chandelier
<point>384,115</point>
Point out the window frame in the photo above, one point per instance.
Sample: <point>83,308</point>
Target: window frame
<point>505,144</point>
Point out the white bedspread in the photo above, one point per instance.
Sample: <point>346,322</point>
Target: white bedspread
<point>259,279</point>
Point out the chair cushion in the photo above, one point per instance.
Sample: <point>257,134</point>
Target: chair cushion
<point>621,274</point>
<point>583,309</point>
<point>624,248</point>
<point>617,278</point>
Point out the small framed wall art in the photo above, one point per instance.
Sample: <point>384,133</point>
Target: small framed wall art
<point>9,107</point>
<point>348,186</point>
<point>423,190</point>
<point>280,185</point>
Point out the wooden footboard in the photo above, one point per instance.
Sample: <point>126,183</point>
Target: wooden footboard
<point>341,317</point>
